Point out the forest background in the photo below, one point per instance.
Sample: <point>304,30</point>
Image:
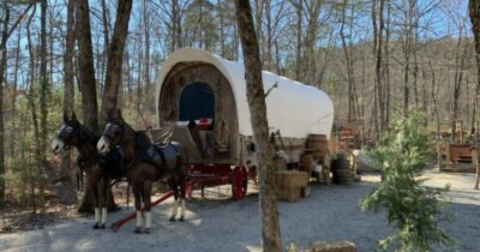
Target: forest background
<point>376,59</point>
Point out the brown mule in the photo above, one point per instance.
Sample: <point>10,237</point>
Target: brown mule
<point>99,170</point>
<point>145,163</point>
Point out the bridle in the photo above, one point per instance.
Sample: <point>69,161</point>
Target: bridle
<point>69,137</point>
<point>116,137</point>
<point>115,131</point>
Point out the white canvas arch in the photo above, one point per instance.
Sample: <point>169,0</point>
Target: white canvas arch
<point>296,109</point>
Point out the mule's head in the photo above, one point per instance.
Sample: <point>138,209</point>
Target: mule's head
<point>67,134</point>
<point>113,132</point>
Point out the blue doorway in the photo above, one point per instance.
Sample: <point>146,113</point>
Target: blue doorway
<point>197,101</point>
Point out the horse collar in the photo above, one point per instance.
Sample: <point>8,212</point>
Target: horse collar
<point>83,162</point>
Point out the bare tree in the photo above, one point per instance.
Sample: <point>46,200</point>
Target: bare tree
<point>14,94</point>
<point>87,83</point>
<point>32,106</point>
<point>378,46</point>
<point>474,12</point>
<point>147,28</point>
<point>44,90</point>
<point>69,194</point>
<point>115,58</point>
<point>386,65</point>
<point>274,14</point>
<point>258,113</point>
<point>298,4</point>
<point>6,33</point>
<point>352,111</point>
<point>3,68</point>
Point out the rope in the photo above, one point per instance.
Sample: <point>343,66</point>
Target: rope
<point>147,126</point>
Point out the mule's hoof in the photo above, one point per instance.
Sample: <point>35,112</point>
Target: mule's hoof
<point>146,231</point>
<point>137,230</point>
<point>101,226</point>
<point>182,218</point>
<point>96,226</point>
<point>172,219</point>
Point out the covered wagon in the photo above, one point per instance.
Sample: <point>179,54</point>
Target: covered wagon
<point>202,98</point>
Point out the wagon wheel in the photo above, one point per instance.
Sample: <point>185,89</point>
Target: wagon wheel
<point>189,190</point>
<point>239,183</point>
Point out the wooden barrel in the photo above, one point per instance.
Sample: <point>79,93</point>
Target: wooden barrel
<point>341,171</point>
<point>316,145</point>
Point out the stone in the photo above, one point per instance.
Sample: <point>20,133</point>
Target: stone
<point>333,246</point>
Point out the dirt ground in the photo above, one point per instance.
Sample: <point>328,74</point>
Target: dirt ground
<point>217,223</point>
<point>16,218</point>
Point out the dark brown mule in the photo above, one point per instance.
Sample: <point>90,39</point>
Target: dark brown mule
<point>99,170</point>
<point>144,164</point>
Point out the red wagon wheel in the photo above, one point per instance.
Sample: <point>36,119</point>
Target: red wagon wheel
<point>239,183</point>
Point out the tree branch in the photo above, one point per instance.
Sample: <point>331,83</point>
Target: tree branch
<point>17,22</point>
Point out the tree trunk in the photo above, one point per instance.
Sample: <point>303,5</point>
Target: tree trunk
<point>459,69</point>
<point>437,117</point>
<point>378,68</point>
<point>415,72</point>
<point>376,85</point>
<point>115,59</point>
<point>350,76</point>
<point>278,59</point>
<point>386,66</point>
<point>174,37</point>
<point>474,12</point>
<point>148,86</point>
<point>298,64</point>
<point>86,67</point>
<point>407,50</point>
<point>3,68</point>
<point>259,5</point>
<point>33,111</point>
<point>14,95</point>
<point>106,42</point>
<point>88,88</point>
<point>269,40</point>
<point>44,86</point>
<point>256,100</point>
<point>236,41</point>
<point>310,61</point>
<point>69,194</point>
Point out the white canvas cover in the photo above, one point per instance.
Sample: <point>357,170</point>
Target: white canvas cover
<point>294,108</point>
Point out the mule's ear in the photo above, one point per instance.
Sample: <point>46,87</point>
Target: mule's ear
<point>74,116</point>
<point>119,114</point>
<point>110,114</point>
<point>65,116</point>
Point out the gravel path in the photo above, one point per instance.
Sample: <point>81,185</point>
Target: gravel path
<point>330,213</point>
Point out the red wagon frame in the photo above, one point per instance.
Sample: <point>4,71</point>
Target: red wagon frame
<point>204,175</point>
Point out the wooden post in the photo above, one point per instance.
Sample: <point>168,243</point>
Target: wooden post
<point>459,130</point>
<point>439,155</point>
<point>477,166</point>
<point>327,164</point>
<point>478,176</point>
<point>448,155</point>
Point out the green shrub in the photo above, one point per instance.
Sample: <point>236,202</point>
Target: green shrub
<point>292,248</point>
<point>24,175</point>
<point>413,209</point>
